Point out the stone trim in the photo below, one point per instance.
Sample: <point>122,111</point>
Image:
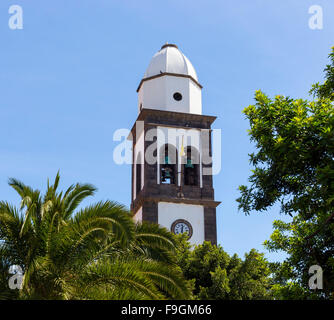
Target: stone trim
<point>141,200</point>
<point>150,212</point>
<point>210,225</point>
<point>169,74</point>
<point>155,117</point>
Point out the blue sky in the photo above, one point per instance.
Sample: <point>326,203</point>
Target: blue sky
<point>68,80</point>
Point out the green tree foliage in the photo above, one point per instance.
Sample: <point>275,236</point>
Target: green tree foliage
<point>294,166</point>
<point>96,252</point>
<point>216,275</point>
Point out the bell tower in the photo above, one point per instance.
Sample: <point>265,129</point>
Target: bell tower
<point>171,150</point>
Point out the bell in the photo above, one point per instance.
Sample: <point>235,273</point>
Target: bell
<point>189,164</point>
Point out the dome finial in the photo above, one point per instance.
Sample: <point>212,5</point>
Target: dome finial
<point>169,45</point>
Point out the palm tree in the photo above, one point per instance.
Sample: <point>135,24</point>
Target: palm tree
<point>96,252</point>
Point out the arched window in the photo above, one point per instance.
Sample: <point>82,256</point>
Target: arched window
<point>138,173</point>
<point>191,167</point>
<point>168,164</point>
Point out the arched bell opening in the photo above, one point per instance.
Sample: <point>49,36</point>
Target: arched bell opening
<point>168,164</point>
<point>191,167</point>
<point>138,173</point>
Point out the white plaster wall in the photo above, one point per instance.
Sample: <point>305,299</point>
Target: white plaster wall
<point>194,214</point>
<point>139,147</point>
<point>152,94</point>
<point>158,94</point>
<point>181,85</point>
<point>195,98</point>
<point>138,217</point>
<point>140,98</point>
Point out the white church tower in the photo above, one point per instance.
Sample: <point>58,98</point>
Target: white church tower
<point>171,171</point>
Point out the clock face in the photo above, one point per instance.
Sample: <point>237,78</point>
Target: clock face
<point>182,226</point>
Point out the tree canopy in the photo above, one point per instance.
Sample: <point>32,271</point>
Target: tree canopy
<point>294,166</point>
<point>214,274</point>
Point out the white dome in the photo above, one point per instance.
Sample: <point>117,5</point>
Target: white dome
<point>171,60</point>
<point>170,83</point>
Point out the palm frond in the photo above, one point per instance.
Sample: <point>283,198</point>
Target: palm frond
<point>75,196</point>
<point>111,215</point>
<point>120,274</point>
<point>95,253</point>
